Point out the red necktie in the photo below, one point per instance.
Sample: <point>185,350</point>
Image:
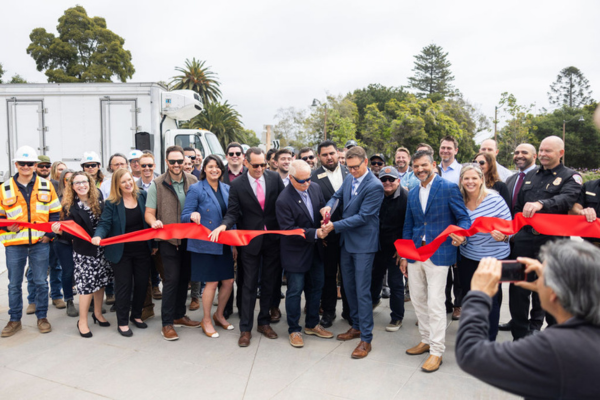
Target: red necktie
<point>260,195</point>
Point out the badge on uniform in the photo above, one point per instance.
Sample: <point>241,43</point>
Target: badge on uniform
<point>557,181</point>
<point>590,193</point>
<point>577,178</point>
<point>323,175</point>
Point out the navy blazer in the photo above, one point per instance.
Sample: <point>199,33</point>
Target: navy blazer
<point>359,226</point>
<point>445,207</point>
<point>298,252</point>
<point>112,223</point>
<point>201,198</point>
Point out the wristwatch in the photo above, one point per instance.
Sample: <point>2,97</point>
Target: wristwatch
<point>541,202</point>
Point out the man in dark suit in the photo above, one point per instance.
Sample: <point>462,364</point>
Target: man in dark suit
<point>330,177</point>
<point>359,198</point>
<point>252,207</point>
<point>298,208</point>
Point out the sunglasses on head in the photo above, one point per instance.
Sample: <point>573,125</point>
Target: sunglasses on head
<point>172,162</point>
<point>235,154</point>
<point>44,165</point>
<point>378,163</point>
<point>301,181</point>
<point>480,162</point>
<point>387,179</point>
<point>147,165</point>
<point>25,164</point>
<point>255,166</point>
<point>306,158</point>
<point>92,165</point>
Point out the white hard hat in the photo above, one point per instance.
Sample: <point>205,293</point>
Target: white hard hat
<point>89,157</point>
<point>26,153</point>
<point>134,154</point>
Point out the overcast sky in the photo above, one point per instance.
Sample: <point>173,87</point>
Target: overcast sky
<point>278,54</point>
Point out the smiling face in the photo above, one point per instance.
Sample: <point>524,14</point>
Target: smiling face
<point>448,151</point>
<point>472,182</point>
<point>484,166</point>
<point>234,157</point>
<point>175,163</point>
<point>402,160</point>
<point>301,175</point>
<point>256,166</point>
<point>524,156</point>
<point>126,184</point>
<point>283,163</point>
<point>423,169</point>
<point>147,164</point>
<point>377,164</point>
<point>188,166</point>
<point>356,167</point>
<point>81,186</point>
<point>551,150</point>
<point>212,171</point>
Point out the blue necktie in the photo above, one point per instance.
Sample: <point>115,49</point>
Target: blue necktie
<point>308,207</point>
<point>354,186</point>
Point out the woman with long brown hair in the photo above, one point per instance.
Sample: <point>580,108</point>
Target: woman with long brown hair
<point>83,203</point>
<point>487,163</point>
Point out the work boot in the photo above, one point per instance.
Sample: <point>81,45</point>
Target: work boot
<point>71,309</point>
<point>11,328</point>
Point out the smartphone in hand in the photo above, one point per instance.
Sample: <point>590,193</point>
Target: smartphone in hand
<point>513,271</point>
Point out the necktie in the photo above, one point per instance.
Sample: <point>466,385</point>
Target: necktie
<point>517,188</point>
<point>260,195</point>
<point>354,186</point>
<point>309,208</point>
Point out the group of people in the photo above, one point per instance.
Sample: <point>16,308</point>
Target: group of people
<point>351,211</point>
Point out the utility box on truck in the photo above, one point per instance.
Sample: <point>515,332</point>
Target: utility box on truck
<point>63,120</point>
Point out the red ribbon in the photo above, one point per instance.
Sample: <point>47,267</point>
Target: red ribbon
<point>171,231</point>
<point>547,224</point>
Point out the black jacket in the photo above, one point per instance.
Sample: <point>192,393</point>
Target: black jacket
<point>82,218</point>
<point>391,218</point>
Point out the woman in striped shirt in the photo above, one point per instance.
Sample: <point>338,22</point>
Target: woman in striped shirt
<point>481,202</point>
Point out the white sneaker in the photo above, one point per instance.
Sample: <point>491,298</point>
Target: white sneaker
<point>394,325</point>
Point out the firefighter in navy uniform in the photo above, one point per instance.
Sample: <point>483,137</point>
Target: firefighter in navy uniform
<point>551,189</point>
<point>588,204</point>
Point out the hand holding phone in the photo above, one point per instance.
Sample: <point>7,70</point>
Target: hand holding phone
<point>513,271</point>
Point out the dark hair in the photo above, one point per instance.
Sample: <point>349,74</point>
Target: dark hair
<point>325,143</point>
<point>305,150</point>
<point>253,150</point>
<point>270,154</point>
<point>208,158</point>
<point>189,149</point>
<point>283,151</point>
<point>234,144</point>
<point>426,145</point>
<point>172,149</point>
<point>450,139</point>
<point>356,152</point>
<point>111,158</point>
<point>423,153</point>
<point>491,176</point>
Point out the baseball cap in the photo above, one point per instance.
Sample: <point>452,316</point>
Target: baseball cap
<point>44,159</point>
<point>377,155</point>
<point>389,171</point>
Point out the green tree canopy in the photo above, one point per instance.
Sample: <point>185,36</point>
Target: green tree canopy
<point>248,136</point>
<point>222,120</point>
<point>16,78</point>
<point>432,73</point>
<point>84,51</point>
<point>1,72</point>
<point>519,127</point>
<point>570,89</point>
<point>195,76</point>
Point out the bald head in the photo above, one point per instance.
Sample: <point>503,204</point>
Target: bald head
<point>551,150</point>
<point>554,141</point>
<point>489,146</point>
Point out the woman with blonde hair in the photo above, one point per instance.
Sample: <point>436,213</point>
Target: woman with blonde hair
<point>83,203</point>
<point>124,213</point>
<point>57,168</point>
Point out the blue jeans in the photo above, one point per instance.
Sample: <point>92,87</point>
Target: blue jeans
<point>356,273</point>
<point>312,284</point>
<point>55,278</point>
<point>16,258</point>
<point>64,252</point>
<point>385,261</point>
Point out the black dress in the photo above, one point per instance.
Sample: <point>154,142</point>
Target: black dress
<point>213,267</point>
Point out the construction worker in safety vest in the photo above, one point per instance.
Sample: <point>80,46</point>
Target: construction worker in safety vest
<point>27,197</point>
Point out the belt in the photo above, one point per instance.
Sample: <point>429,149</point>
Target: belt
<point>529,229</point>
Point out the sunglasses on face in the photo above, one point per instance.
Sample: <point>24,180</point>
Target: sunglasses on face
<point>235,154</point>
<point>191,157</point>
<point>135,161</point>
<point>172,162</point>
<point>25,164</point>
<point>306,158</point>
<point>43,165</point>
<point>90,165</point>
<point>256,166</point>
<point>480,162</point>
<point>387,179</point>
<point>147,165</point>
<point>378,163</point>
<point>301,181</point>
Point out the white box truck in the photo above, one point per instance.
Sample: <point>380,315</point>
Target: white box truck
<point>63,120</point>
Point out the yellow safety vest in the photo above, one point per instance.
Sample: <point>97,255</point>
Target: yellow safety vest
<point>14,207</point>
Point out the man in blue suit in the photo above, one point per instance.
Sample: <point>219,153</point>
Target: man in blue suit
<point>298,207</point>
<point>360,199</point>
<point>434,205</point>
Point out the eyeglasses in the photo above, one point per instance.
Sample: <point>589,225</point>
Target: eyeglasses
<point>93,165</point>
<point>172,162</point>
<point>134,161</point>
<point>44,165</point>
<point>306,158</point>
<point>301,181</point>
<point>25,164</point>
<point>147,165</point>
<point>378,163</point>
<point>81,183</point>
<point>256,166</point>
<point>387,179</point>
<point>353,167</point>
<point>480,162</point>
<point>235,154</point>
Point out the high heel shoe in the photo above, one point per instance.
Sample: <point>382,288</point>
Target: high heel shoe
<point>106,323</point>
<point>85,335</point>
<point>127,333</point>
<point>217,323</point>
<point>210,335</point>
<point>140,325</point>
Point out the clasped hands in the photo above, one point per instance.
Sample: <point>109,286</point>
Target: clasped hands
<point>328,227</point>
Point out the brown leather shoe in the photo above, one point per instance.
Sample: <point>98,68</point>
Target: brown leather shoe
<point>267,331</point>
<point>456,314</point>
<point>244,340</point>
<point>195,304</point>
<point>59,303</point>
<point>349,335</point>
<point>156,293</point>
<point>319,331</point>
<point>169,333</point>
<point>43,325</point>
<point>30,309</point>
<point>296,339</point>
<point>432,363</point>
<point>147,312</point>
<point>418,349</point>
<point>275,315</point>
<point>362,350</point>
<point>11,328</point>
<point>186,322</point>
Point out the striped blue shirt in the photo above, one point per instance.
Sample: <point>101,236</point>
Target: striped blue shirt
<point>483,244</point>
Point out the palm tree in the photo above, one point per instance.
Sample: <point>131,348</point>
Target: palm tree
<point>221,119</point>
<point>195,76</point>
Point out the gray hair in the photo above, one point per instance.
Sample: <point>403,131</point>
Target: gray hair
<point>299,165</point>
<point>423,153</point>
<point>573,272</point>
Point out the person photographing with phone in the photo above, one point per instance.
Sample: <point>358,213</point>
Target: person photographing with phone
<point>563,360</point>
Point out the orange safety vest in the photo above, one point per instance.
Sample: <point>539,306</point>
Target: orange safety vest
<point>14,207</point>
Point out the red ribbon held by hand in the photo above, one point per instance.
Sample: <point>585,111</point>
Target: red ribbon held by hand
<point>547,224</point>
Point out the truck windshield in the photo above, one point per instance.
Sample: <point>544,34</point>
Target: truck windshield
<point>215,146</point>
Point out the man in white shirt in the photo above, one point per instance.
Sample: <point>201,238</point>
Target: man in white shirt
<point>490,146</point>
